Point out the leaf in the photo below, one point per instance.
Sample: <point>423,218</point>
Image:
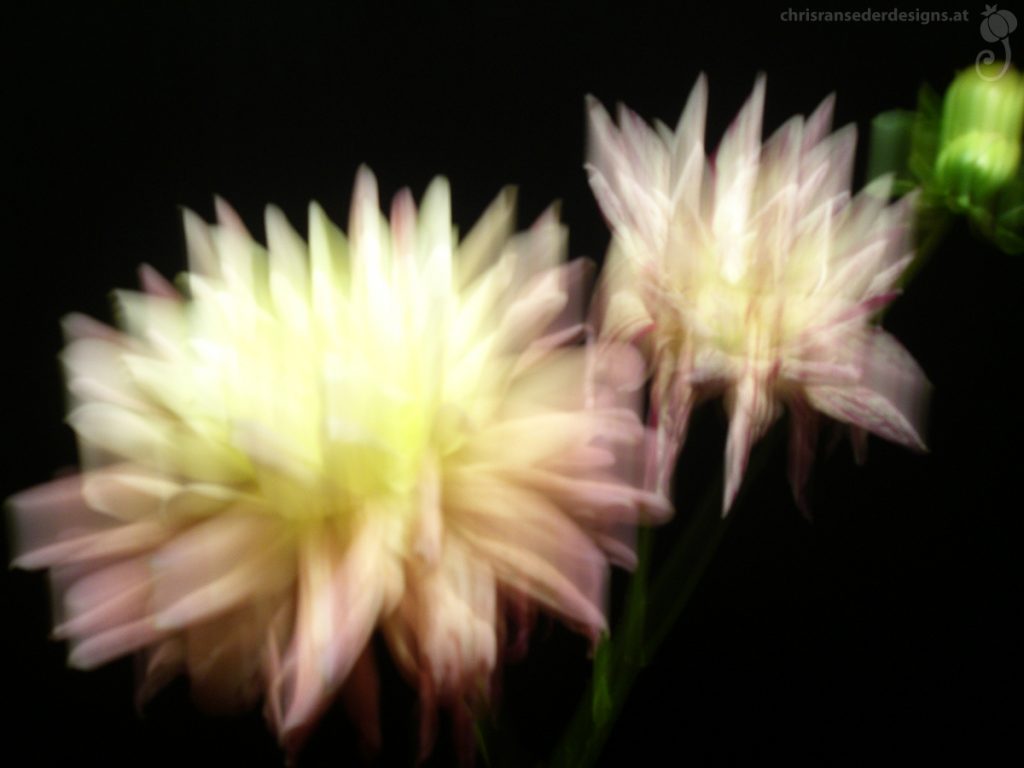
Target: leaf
<point>889,153</point>
<point>924,142</point>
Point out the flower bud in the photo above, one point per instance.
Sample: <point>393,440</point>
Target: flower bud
<point>980,136</point>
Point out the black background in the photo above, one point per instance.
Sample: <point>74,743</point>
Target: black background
<point>884,628</point>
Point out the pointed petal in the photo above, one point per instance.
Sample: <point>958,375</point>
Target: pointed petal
<point>289,274</point>
<point>482,246</point>
<point>689,134</point>
<point>155,284</point>
<point>456,615</point>
<point>888,402</point>
<point>218,565</point>
<point>532,546</point>
<point>202,255</point>
<point>752,413</point>
<point>341,591</point>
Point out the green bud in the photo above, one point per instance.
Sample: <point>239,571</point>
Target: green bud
<point>980,136</point>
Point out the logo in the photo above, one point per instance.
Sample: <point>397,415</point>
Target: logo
<point>996,26</point>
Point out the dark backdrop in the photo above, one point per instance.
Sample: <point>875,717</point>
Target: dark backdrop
<point>883,628</point>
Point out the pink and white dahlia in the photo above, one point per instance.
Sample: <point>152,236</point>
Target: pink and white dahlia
<point>393,431</point>
<point>757,275</point>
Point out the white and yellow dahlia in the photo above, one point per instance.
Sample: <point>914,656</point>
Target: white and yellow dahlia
<point>756,275</point>
<point>393,431</point>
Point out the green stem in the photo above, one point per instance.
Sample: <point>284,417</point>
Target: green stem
<point>696,547</point>
<point>648,618</point>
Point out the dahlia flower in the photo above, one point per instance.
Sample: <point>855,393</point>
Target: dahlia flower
<point>392,432</point>
<point>754,275</point>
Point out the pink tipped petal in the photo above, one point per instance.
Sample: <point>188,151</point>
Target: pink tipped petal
<point>737,451</point>
<point>227,216</point>
<point>820,122</point>
<point>865,409</point>
<point>594,500</point>
<point>94,650</point>
<point>889,276</point>
<point>689,134</point>
<point>105,614</point>
<point>456,618</point>
<point>751,415</point>
<point>218,565</point>
<point>338,603</point>
<point>155,284</point>
<point>485,240</point>
<point>47,515</point>
<point>202,254</point>
<point>890,400</point>
<point>664,451</point>
<point>672,401</point>
<point>118,542</point>
<point>535,548</point>
<point>112,597</point>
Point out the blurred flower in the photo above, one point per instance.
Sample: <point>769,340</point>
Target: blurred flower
<point>394,431</point>
<point>755,276</point>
